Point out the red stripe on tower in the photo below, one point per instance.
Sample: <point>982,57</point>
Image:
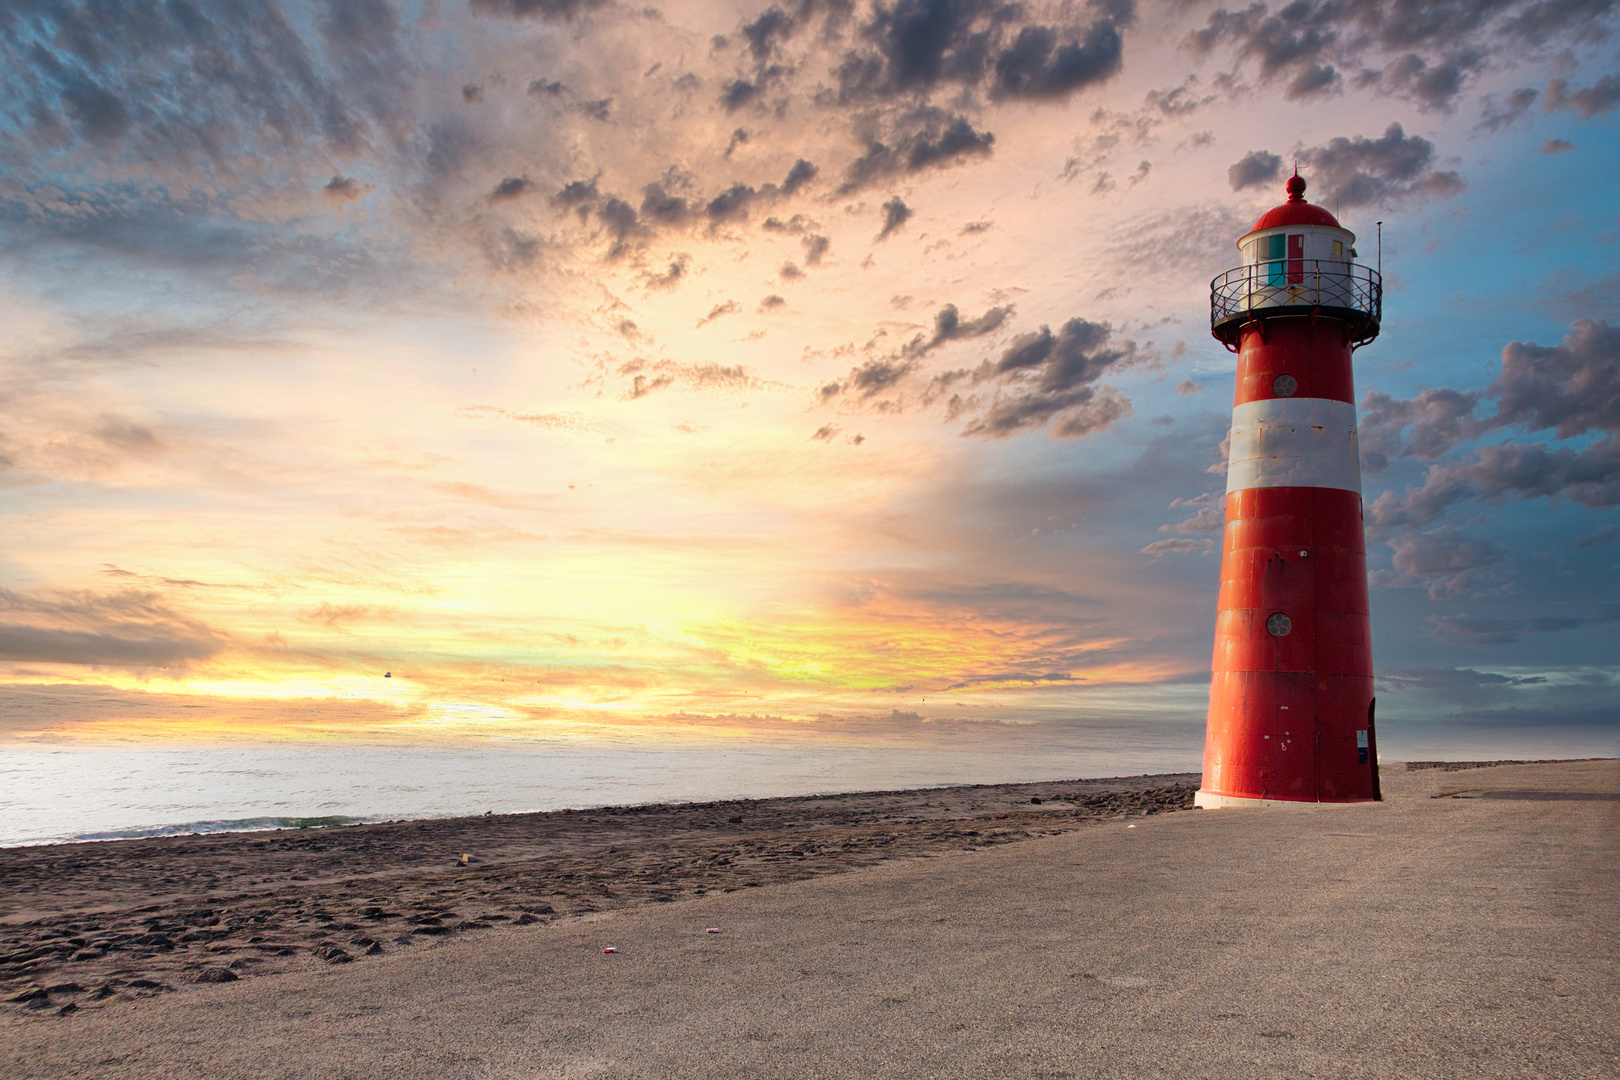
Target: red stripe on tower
<point>1291,694</point>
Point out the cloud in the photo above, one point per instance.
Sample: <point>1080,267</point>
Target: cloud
<point>549,10</point>
<point>1257,168</point>
<point>1437,421</point>
<point>1444,561</point>
<point>342,189</point>
<point>730,307</point>
<point>895,214</point>
<point>1039,64</point>
<point>1209,519</point>
<point>1357,171</point>
<point>1572,388</point>
<point>126,629</point>
<point>1178,547</point>
<point>917,45</point>
<point>1422,52</point>
<point>1187,386</point>
<point>513,187</point>
<point>1601,97</point>
<point>1043,379</point>
<point>1491,630</point>
<point>937,144</point>
<point>1602,536</point>
<point>1494,117</point>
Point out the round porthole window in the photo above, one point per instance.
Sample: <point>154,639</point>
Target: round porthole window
<point>1279,624</point>
<point>1284,385</point>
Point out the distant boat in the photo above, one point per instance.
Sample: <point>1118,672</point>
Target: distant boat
<point>388,674</point>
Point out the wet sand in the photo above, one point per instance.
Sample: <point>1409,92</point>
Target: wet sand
<point>87,924</point>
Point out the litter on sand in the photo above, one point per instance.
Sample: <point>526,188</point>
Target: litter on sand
<point>611,948</point>
<point>712,930</point>
<point>1130,826</point>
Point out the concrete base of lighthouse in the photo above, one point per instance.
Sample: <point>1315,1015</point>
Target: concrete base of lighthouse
<point>1209,800</point>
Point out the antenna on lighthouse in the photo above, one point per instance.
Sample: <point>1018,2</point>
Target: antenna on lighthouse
<point>1380,249</point>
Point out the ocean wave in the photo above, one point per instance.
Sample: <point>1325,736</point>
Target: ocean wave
<point>253,824</point>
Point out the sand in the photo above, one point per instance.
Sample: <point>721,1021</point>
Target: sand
<point>1468,926</point>
<point>126,920</point>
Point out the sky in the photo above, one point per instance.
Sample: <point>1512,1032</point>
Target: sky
<point>484,368</point>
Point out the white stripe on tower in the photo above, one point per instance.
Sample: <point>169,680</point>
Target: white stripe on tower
<point>1294,442</point>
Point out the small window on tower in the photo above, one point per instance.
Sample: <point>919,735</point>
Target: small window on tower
<point>1338,249</point>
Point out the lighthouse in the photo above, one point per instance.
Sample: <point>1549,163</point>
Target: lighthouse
<point>1291,691</point>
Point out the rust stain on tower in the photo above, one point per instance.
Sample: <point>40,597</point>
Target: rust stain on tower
<point>1291,695</point>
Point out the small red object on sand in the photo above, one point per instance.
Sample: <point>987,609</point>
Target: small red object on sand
<point>712,930</point>
<point>610,948</point>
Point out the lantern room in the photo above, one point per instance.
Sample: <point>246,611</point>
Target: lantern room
<point>1298,261</point>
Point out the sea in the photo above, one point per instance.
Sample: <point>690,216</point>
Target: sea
<point>61,791</point>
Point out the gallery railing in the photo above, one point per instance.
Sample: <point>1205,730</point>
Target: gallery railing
<point>1347,292</point>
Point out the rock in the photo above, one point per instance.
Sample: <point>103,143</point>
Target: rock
<point>36,1004</point>
<point>1036,799</point>
<point>65,988</point>
<point>663,898</point>
<point>102,993</point>
<point>734,821</point>
<point>66,1009</point>
<point>144,984</point>
<point>33,993</point>
<point>154,941</point>
<point>431,930</point>
<point>373,949</point>
<point>89,954</point>
<point>215,975</point>
<point>525,919</point>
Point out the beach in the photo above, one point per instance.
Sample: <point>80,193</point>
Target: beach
<point>129,919</point>
<point>1467,926</point>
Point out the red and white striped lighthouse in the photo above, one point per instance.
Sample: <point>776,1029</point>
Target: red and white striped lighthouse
<point>1291,696</point>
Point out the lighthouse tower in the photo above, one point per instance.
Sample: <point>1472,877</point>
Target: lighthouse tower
<point>1291,697</point>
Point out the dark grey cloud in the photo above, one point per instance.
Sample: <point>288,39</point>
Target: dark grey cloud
<point>1041,380</point>
<point>342,189</point>
<point>802,173</point>
<point>938,142</point>
<point>917,46</point>
<point>1571,389</point>
<point>1254,169</point>
<point>513,187</point>
<point>549,10</point>
<point>815,248</point>
<point>126,629</point>
<point>1038,63</point>
<point>1497,630</point>
<point>1556,146</point>
<point>1357,171</point>
<point>1424,427</point>
<point>1446,561</point>
<point>878,375</point>
<point>1602,536</point>
<point>895,214</point>
<point>1601,97</point>
<point>1495,116</point>
<point>1424,52</point>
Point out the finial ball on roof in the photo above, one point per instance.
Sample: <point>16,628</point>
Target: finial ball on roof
<point>1296,188</point>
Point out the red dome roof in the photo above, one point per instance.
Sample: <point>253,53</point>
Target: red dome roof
<point>1296,211</point>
